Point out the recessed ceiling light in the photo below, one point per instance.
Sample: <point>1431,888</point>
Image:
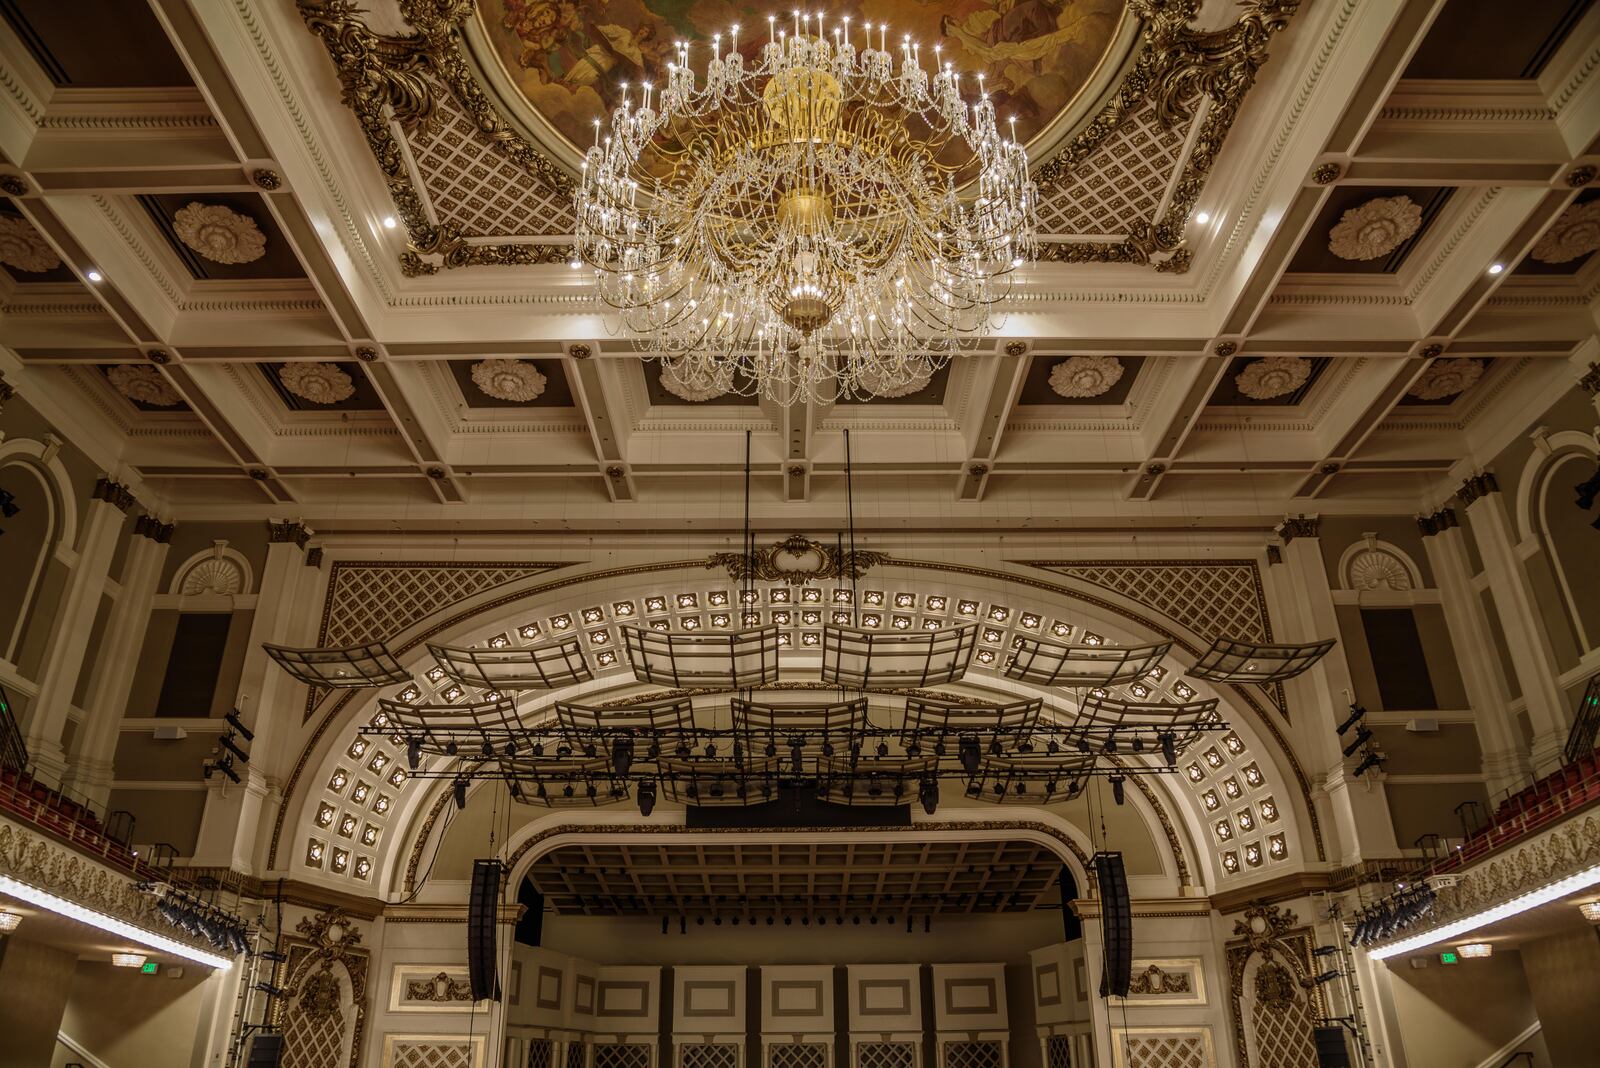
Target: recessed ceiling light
<point>128,960</point>
<point>1496,268</point>
<point>95,276</point>
<point>1203,217</point>
<point>389,222</point>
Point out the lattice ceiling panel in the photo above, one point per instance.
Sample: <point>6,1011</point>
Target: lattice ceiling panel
<point>1209,599</point>
<point>473,184</point>
<point>374,602</point>
<point>1120,185</point>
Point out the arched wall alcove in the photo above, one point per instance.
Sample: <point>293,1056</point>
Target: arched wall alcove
<point>45,523</point>
<point>1194,812</point>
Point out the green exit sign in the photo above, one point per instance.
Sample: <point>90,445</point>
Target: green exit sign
<point>1449,957</point>
<point>148,967</point>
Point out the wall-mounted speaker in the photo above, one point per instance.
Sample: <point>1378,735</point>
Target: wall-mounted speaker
<point>1332,1049</point>
<point>1116,925</point>
<point>482,911</point>
<point>266,1051</point>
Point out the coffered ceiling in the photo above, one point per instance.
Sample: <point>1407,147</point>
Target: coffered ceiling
<point>258,273</point>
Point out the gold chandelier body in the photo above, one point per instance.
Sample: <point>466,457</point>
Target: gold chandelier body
<point>824,224</point>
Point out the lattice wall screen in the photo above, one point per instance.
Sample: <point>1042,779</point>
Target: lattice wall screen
<point>1209,599</point>
<point>373,602</point>
<point>1120,184</point>
<point>797,1055</point>
<point>431,1054</point>
<point>577,1055</point>
<point>622,1055</point>
<point>1166,1051</point>
<point>984,1053</point>
<point>885,1055</point>
<point>313,1040</point>
<point>708,1055</point>
<point>541,1053</point>
<point>1058,1051</point>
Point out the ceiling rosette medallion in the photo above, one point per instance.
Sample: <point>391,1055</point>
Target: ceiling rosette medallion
<point>143,383</point>
<point>319,383</point>
<point>1082,377</point>
<point>22,247</point>
<point>219,234</point>
<point>454,94</point>
<point>509,380</point>
<point>1576,232</point>
<point>1375,228</point>
<point>1447,378</point>
<point>696,384</point>
<point>1273,377</point>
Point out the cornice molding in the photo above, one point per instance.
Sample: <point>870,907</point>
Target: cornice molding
<point>1446,247</point>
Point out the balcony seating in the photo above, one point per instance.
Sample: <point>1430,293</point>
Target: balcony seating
<point>1550,800</point>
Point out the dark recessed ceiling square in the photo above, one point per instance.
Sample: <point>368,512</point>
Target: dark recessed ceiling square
<point>58,273</point>
<point>96,44</point>
<point>1036,387</point>
<point>1494,39</point>
<point>659,395</point>
<point>1314,256</point>
<point>1409,401</point>
<point>1531,265</point>
<point>1227,393</point>
<point>277,259</point>
<point>557,392</point>
<point>364,399</point>
<point>932,393</point>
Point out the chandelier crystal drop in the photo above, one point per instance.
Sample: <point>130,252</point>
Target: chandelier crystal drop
<point>830,216</point>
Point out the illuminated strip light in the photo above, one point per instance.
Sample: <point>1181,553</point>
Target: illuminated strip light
<point>1516,905</point>
<point>73,910</point>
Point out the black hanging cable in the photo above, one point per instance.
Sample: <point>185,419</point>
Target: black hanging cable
<point>850,517</point>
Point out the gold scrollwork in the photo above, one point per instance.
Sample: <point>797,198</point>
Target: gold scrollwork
<point>796,560</point>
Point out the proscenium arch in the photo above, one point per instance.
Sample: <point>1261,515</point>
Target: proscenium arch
<point>487,611</point>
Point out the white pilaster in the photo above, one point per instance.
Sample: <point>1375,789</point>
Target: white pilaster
<point>69,637</point>
<point>1527,641</point>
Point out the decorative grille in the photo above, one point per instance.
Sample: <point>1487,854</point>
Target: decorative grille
<point>708,1055</point>
<point>622,1055</point>
<point>541,1052</point>
<point>371,602</point>
<point>1169,1051</point>
<point>1121,183</point>
<point>1209,599</point>
<point>313,1040</point>
<point>1283,1035</point>
<point>885,1055</point>
<point>1058,1051</point>
<point>797,1055</point>
<point>973,1054</point>
<point>576,1057</point>
<point>431,1054</point>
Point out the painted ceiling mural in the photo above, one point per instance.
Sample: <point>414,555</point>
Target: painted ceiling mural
<point>570,57</point>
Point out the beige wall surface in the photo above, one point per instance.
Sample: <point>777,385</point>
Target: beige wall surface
<point>1561,972</point>
<point>124,1017</point>
<point>1455,1017</point>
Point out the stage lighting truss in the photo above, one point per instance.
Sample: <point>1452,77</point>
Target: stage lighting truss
<point>735,661</point>
<point>625,736</point>
<point>872,780</point>
<point>347,668</point>
<point>866,660</point>
<point>959,734</point>
<point>557,782</point>
<point>1106,724</point>
<point>1234,661</point>
<point>801,735</point>
<point>1035,779</point>
<point>534,667</point>
<point>479,731</point>
<point>721,783</point>
<point>1045,663</point>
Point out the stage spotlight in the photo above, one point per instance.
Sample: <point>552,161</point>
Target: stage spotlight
<point>1119,790</point>
<point>1372,760</point>
<point>647,797</point>
<point>413,752</point>
<point>1169,749</point>
<point>460,788</point>
<point>1324,951</point>
<point>1363,736</point>
<point>227,742</point>
<point>969,753</point>
<point>1356,713</point>
<point>244,732</point>
<point>272,991</point>
<point>8,504</point>
<point>622,754</point>
<point>1327,977</point>
<point>225,766</point>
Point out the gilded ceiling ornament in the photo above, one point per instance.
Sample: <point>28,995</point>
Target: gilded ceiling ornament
<point>509,380</point>
<point>1086,376</point>
<point>1447,378</point>
<point>1576,232</point>
<point>22,247</point>
<point>319,383</point>
<point>797,560</point>
<point>1273,376</point>
<point>696,384</point>
<point>219,234</point>
<point>881,382</point>
<point>1375,228</point>
<point>143,383</point>
<point>1155,980</point>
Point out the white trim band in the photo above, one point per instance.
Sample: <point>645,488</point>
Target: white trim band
<point>71,909</point>
<point>1560,888</point>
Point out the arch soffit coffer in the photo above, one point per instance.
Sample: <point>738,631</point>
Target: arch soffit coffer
<point>342,707</point>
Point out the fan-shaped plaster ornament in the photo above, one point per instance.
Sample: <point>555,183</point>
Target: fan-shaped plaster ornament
<point>509,380</point>
<point>319,383</point>
<point>143,383</point>
<point>22,247</point>
<point>1086,376</point>
<point>1375,228</point>
<point>1273,376</point>
<point>1576,232</point>
<point>1447,378</point>
<point>213,575</point>
<point>913,380</point>
<point>1375,569</point>
<point>219,234</point>
<point>695,389</point>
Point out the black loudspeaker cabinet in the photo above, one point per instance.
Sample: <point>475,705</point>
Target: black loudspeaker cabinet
<point>1332,1049</point>
<point>1116,925</point>
<point>266,1051</point>
<point>482,970</point>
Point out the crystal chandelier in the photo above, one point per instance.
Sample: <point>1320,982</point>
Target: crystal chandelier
<point>832,221</point>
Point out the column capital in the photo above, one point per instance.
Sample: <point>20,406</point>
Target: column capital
<point>1299,526</point>
<point>1438,522</point>
<point>1589,383</point>
<point>148,526</point>
<point>113,493</point>
<point>1477,487</point>
<point>281,531</point>
<point>7,390</point>
<point>314,556</point>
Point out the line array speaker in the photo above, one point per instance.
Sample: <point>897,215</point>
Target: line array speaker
<point>266,1051</point>
<point>1332,1050</point>
<point>482,910</point>
<point>1116,925</point>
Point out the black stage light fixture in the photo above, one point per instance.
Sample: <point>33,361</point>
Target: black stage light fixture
<point>1324,951</point>
<point>1169,749</point>
<point>227,742</point>
<point>567,790</point>
<point>272,991</point>
<point>413,752</point>
<point>244,732</point>
<point>883,749</point>
<point>622,754</point>
<point>8,504</point>
<point>589,790</point>
<point>1371,760</point>
<point>969,753</point>
<point>1119,790</point>
<point>273,956</point>
<point>460,788</point>
<point>1363,736</point>
<point>516,789</point>
<point>1587,491</point>
<point>647,797</point>
<point>1356,713</point>
<point>225,765</point>
<point>1327,977</point>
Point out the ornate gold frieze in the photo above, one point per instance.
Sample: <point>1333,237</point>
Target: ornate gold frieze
<point>796,560</point>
